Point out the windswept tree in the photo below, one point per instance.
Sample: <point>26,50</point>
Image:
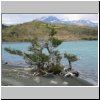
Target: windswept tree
<point>36,56</point>
<point>49,62</point>
<point>71,58</point>
<point>52,44</point>
<point>38,59</point>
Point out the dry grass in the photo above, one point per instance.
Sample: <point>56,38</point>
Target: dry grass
<point>30,30</point>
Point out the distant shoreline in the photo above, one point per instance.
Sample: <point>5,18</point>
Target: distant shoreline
<point>14,81</point>
<point>29,41</point>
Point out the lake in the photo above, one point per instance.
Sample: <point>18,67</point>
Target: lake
<point>87,51</point>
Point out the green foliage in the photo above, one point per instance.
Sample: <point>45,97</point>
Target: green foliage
<point>30,58</point>
<point>38,57</point>
<point>43,57</point>
<point>51,28</point>
<point>53,32</point>
<point>34,42</point>
<point>56,69</point>
<point>89,38</point>
<point>55,42</point>
<point>16,52</point>
<point>13,33</point>
<point>27,31</point>
<point>70,57</point>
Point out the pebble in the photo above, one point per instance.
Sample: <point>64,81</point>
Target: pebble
<point>23,76</point>
<point>53,82</point>
<point>65,83</point>
<point>37,79</point>
<point>15,70</point>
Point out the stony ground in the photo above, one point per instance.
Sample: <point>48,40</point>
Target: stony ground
<point>12,76</point>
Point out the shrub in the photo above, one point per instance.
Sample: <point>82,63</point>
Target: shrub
<point>55,42</point>
<point>56,69</point>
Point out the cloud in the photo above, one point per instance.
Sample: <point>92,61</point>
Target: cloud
<point>21,18</point>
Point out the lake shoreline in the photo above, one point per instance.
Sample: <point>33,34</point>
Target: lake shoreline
<point>9,79</point>
<point>78,48</point>
<point>63,41</point>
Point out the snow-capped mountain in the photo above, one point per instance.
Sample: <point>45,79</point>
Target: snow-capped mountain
<point>50,19</point>
<point>84,23</point>
<point>55,20</point>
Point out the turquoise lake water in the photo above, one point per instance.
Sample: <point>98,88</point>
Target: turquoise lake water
<point>87,51</point>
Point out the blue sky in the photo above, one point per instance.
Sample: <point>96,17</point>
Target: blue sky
<point>10,19</point>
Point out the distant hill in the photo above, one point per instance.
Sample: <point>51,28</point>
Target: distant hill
<point>55,20</point>
<point>30,30</point>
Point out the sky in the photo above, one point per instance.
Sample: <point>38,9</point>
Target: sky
<point>10,19</point>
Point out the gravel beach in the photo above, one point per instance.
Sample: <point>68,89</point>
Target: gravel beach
<point>18,76</point>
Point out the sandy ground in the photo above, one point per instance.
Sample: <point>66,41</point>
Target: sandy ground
<point>12,77</point>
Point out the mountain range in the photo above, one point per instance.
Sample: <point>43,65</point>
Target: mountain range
<point>55,20</point>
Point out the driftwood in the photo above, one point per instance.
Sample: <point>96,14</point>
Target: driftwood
<point>69,73</point>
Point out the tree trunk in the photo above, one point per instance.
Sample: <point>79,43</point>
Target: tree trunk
<point>70,66</point>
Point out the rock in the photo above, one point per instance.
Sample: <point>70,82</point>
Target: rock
<point>15,70</point>
<point>48,75</point>
<point>69,74</point>
<point>76,73</point>
<point>27,69</point>
<point>65,83</point>
<point>37,79</point>
<point>23,76</point>
<point>53,82</point>
<point>6,62</point>
<point>65,69</point>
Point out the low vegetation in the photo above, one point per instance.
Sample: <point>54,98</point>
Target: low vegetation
<point>28,31</point>
<point>71,58</point>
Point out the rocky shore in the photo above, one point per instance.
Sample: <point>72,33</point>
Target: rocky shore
<point>20,76</point>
